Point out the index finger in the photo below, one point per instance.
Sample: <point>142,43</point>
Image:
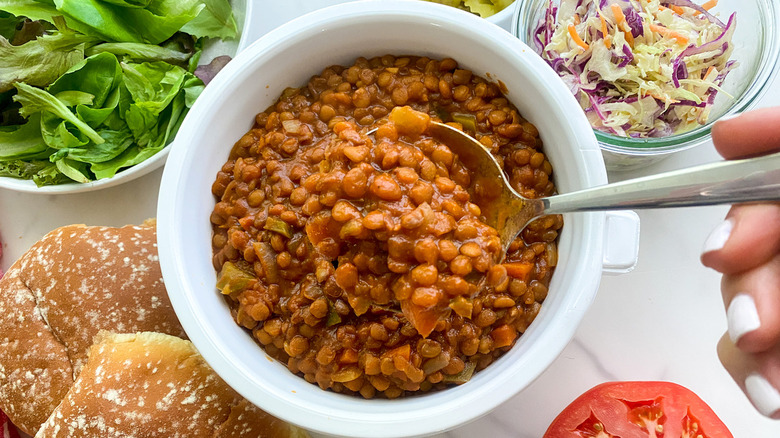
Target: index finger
<point>752,133</point>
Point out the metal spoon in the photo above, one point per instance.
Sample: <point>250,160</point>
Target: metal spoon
<point>736,181</point>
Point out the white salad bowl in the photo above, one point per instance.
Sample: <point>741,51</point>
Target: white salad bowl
<point>287,57</point>
<point>245,19</point>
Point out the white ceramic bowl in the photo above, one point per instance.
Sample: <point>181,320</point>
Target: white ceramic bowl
<point>289,56</point>
<point>244,19</point>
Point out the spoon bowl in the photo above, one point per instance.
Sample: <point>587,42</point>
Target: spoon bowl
<point>502,207</point>
<point>746,180</point>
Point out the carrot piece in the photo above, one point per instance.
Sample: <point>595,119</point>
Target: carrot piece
<point>662,98</point>
<point>422,319</point>
<point>707,6</point>
<point>402,351</point>
<point>629,37</point>
<point>503,336</point>
<point>620,18</point>
<point>681,39</point>
<point>709,71</point>
<point>605,32</point>
<point>246,222</point>
<point>678,10</point>
<point>622,24</point>
<point>576,38</point>
<point>518,270</point>
<point>710,4</point>
<point>349,355</point>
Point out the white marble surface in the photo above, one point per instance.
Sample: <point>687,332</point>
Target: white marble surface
<point>659,322</point>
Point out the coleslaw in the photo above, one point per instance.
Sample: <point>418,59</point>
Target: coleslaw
<point>639,68</point>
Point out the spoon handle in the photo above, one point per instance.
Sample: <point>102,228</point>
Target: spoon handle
<point>725,182</point>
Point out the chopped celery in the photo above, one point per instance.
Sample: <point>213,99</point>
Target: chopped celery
<point>234,278</point>
<point>277,225</point>
<point>463,376</point>
<point>468,121</point>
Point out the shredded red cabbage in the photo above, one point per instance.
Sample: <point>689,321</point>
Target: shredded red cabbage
<point>617,85</point>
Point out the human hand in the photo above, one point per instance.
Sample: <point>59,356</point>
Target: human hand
<point>745,248</point>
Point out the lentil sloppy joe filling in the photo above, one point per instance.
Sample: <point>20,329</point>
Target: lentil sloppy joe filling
<point>361,261</point>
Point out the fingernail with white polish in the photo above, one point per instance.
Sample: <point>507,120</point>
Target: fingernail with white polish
<point>719,236</point>
<point>764,396</point>
<point>742,316</point>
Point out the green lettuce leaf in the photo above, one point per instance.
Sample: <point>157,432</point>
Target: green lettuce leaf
<point>215,21</point>
<point>141,52</point>
<point>41,172</point>
<point>41,61</point>
<point>130,157</point>
<point>98,116</point>
<point>32,9</point>
<point>121,21</point>
<point>24,142</point>
<point>35,100</point>
<point>115,143</point>
<point>159,136</point>
<point>153,86</point>
<point>97,75</point>
<point>73,170</point>
<point>130,3</point>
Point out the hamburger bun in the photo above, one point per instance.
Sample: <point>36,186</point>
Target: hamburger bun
<point>74,282</point>
<point>149,385</point>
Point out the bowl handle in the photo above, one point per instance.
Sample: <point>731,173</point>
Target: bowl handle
<point>621,242</point>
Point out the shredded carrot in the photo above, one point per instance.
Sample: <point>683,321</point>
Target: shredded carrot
<point>709,70</point>
<point>707,6</point>
<point>681,39</point>
<point>620,18</point>
<point>678,10</point>
<point>629,37</point>
<point>605,32</point>
<point>576,38</point>
<point>577,19</point>
<point>622,24</point>
<point>662,98</point>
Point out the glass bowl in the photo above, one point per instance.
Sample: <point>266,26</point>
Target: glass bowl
<point>756,47</point>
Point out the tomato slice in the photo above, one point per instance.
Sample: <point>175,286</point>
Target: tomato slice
<point>638,410</point>
<point>7,430</point>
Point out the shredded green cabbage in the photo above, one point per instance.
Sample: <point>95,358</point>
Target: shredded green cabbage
<point>639,68</point>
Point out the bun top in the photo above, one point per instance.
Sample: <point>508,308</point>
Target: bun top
<point>149,385</point>
<point>74,282</point>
